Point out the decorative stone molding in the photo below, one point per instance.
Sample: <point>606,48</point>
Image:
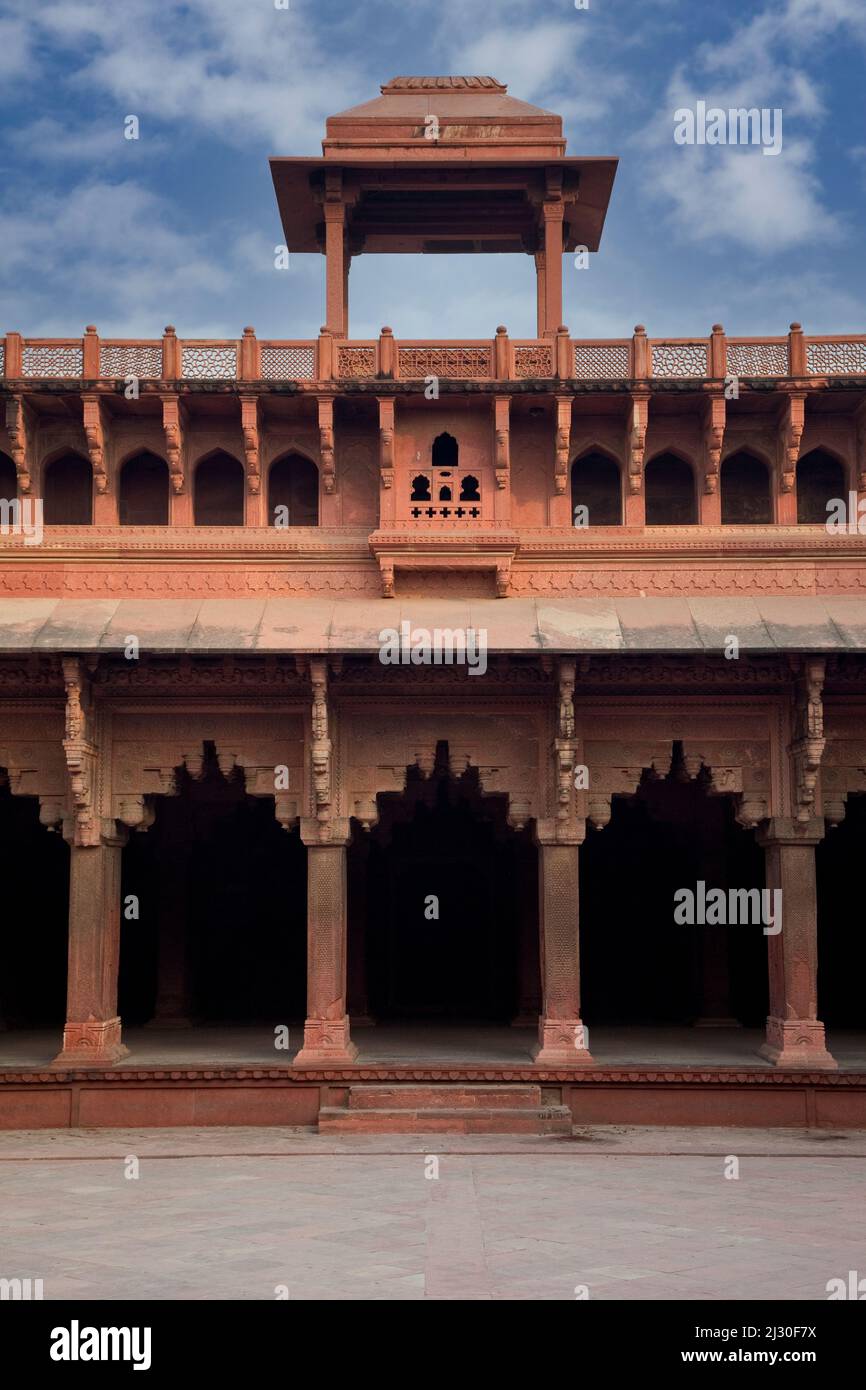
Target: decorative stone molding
<point>326,442</point>
<point>250,427</point>
<point>173,424</point>
<point>808,744</point>
<point>502,445</point>
<point>714,439</point>
<point>615,769</point>
<point>81,747</point>
<point>790,434</point>
<point>635,432</point>
<point>563,442</point>
<point>386,441</point>
<point>31,753</point>
<point>94,433</point>
<point>321,748</point>
<point>19,427</point>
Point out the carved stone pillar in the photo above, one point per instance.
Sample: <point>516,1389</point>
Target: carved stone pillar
<point>795,1036</point>
<point>92,1032</point>
<point>335,255</point>
<point>553,214</point>
<point>560,1032</point>
<point>326,1030</point>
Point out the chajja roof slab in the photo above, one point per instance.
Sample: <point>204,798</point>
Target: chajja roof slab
<point>518,625</point>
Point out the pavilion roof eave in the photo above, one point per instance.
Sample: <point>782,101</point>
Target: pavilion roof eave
<point>516,626</point>
<point>301,214</point>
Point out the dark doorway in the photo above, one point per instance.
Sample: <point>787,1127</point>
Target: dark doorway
<point>820,480</point>
<point>670,492</point>
<point>68,489</point>
<point>637,964</point>
<point>144,491</point>
<point>443,841</point>
<point>221,889</point>
<point>841,933</point>
<point>293,492</point>
<point>745,491</point>
<point>219,491</point>
<point>34,864</point>
<point>595,485</point>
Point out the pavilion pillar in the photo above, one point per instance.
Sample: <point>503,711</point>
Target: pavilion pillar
<point>553,243</point>
<point>326,1030</point>
<point>560,1031</point>
<point>795,1036</point>
<point>336,274</point>
<point>92,1032</point>
<point>541,293</point>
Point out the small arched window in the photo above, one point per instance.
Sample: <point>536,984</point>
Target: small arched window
<point>420,489</point>
<point>670,492</point>
<point>293,492</point>
<point>470,491</point>
<point>595,487</point>
<point>745,485</point>
<point>68,489</point>
<point>144,491</point>
<point>219,491</point>
<point>820,479</point>
<point>445,451</point>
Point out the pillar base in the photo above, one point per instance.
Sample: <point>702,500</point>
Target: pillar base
<point>559,1044</point>
<point>326,1042</point>
<point>91,1044</point>
<point>797,1042</point>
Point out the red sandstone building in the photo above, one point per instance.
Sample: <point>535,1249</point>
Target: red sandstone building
<point>220,807</point>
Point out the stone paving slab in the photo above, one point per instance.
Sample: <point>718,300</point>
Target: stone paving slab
<point>235,1214</point>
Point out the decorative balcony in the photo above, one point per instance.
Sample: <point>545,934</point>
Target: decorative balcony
<point>314,362</point>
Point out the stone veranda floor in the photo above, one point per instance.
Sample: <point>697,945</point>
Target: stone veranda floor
<point>237,1213</point>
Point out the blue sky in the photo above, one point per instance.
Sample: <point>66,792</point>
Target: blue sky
<point>180,226</point>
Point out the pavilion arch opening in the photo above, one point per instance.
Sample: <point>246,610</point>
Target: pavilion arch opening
<point>443,907</point>
<point>144,489</point>
<point>34,863</point>
<point>671,499</point>
<point>219,491</point>
<point>841,936</point>
<point>745,490</point>
<point>293,492</point>
<point>8,479</point>
<point>820,480</point>
<point>220,891</point>
<point>445,451</point>
<point>68,491</point>
<point>595,486</point>
<point>639,966</point>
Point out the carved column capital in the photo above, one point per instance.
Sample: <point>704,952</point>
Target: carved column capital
<point>94,433</point>
<point>174,428</point>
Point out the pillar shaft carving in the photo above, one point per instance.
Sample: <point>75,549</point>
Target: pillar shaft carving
<point>250,428</point>
<point>714,439</point>
<point>326,443</point>
<point>636,428</point>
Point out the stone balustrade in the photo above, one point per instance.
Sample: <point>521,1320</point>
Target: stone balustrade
<point>326,358</point>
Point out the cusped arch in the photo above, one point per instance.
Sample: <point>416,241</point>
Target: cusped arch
<point>293,490</point>
<point>218,490</point>
<point>596,486</point>
<point>822,478</point>
<point>670,486</point>
<point>746,489</point>
<point>67,489</point>
<point>8,479</point>
<point>143,489</point>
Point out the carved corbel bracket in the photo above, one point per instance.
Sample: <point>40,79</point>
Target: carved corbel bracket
<point>250,429</point>
<point>326,443</point>
<point>321,748</point>
<point>565,742</point>
<point>386,442</point>
<point>563,441</point>
<point>81,749</point>
<point>790,434</point>
<point>174,428</point>
<point>635,434</point>
<point>808,744</point>
<point>94,434</point>
<point>19,422</point>
<point>502,439</point>
<point>714,439</point>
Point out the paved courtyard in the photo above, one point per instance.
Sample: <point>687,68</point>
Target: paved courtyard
<point>259,1213</point>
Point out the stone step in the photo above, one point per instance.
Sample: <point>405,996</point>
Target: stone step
<point>551,1119</point>
<point>464,1096</point>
